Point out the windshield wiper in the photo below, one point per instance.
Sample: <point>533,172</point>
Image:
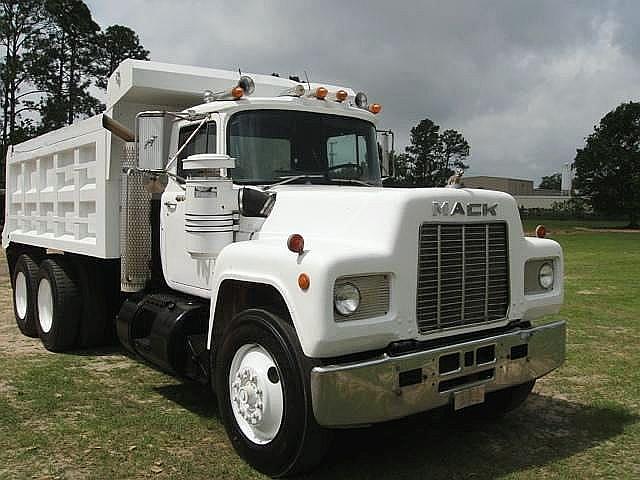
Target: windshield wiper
<point>352,181</point>
<point>294,178</point>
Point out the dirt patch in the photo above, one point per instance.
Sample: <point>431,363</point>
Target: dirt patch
<point>109,363</point>
<point>12,342</point>
<point>5,387</point>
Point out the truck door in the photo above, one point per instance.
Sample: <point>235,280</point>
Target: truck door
<point>180,269</point>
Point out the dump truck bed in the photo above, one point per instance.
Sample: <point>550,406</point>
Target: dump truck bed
<point>60,193</point>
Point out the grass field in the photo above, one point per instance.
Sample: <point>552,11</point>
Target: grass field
<point>102,415</point>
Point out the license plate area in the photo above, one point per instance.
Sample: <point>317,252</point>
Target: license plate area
<point>468,397</point>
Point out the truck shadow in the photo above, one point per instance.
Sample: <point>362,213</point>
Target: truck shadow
<point>439,445</point>
<point>193,396</point>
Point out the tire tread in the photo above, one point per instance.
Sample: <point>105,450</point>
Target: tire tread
<point>66,305</point>
<point>28,264</point>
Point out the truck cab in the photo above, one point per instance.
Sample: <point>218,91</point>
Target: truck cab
<point>259,253</point>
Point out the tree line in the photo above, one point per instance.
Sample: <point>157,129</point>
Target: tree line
<point>607,167</point>
<point>431,157</point>
<point>54,60</point>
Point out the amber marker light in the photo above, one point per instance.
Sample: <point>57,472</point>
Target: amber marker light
<point>237,92</point>
<point>321,93</point>
<point>304,281</point>
<point>541,231</point>
<point>375,108</point>
<point>295,243</point>
<point>341,95</point>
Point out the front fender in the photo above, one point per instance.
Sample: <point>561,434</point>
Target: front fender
<point>268,261</point>
<point>533,306</point>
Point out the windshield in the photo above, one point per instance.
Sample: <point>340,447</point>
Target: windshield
<point>272,145</point>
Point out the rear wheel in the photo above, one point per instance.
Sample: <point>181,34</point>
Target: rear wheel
<point>25,275</point>
<point>58,305</point>
<point>263,398</point>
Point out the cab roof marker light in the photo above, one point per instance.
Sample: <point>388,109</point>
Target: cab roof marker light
<point>341,95</point>
<point>320,93</point>
<point>237,92</point>
<point>375,108</point>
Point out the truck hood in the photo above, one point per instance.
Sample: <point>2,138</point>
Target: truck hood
<point>380,216</point>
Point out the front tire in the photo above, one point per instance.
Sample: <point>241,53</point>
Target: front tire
<point>58,305</point>
<point>263,396</point>
<point>25,281</point>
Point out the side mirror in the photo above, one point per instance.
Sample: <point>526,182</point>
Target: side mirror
<point>152,137</point>
<point>386,145</point>
<point>255,203</point>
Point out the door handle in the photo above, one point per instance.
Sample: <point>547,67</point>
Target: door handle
<point>170,204</point>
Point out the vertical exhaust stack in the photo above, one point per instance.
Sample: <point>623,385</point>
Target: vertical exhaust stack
<point>135,225</point>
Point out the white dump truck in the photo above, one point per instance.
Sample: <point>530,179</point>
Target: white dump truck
<point>233,229</point>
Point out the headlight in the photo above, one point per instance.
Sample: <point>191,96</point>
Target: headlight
<point>545,275</point>
<point>346,298</point>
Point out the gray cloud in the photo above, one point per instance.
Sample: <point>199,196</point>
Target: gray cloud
<point>524,81</point>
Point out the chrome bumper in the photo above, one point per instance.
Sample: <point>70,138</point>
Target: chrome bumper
<point>393,387</point>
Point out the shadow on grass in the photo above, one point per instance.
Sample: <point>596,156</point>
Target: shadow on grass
<point>103,351</point>
<point>192,396</point>
<point>438,445</point>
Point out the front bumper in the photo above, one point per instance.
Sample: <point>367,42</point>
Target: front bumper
<point>391,387</point>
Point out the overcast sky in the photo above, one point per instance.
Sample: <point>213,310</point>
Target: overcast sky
<point>524,81</point>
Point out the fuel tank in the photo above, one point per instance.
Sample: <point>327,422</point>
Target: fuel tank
<point>167,330</point>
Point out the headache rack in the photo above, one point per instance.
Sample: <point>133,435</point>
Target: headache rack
<point>463,275</point>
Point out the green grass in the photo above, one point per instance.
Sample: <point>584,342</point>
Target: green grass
<point>102,415</point>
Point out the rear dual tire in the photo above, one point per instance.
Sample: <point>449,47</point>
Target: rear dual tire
<point>58,305</point>
<point>25,281</point>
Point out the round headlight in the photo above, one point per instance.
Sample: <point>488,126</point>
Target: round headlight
<point>545,276</point>
<point>346,298</point>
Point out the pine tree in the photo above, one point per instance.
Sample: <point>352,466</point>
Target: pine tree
<point>62,63</point>
<point>114,45</point>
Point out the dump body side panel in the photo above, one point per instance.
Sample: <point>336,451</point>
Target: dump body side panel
<point>59,192</point>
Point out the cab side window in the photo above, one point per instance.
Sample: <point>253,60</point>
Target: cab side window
<point>203,142</point>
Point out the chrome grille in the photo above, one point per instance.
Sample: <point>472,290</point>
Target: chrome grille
<point>463,275</point>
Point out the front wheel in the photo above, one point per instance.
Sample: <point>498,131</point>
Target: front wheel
<point>263,398</point>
